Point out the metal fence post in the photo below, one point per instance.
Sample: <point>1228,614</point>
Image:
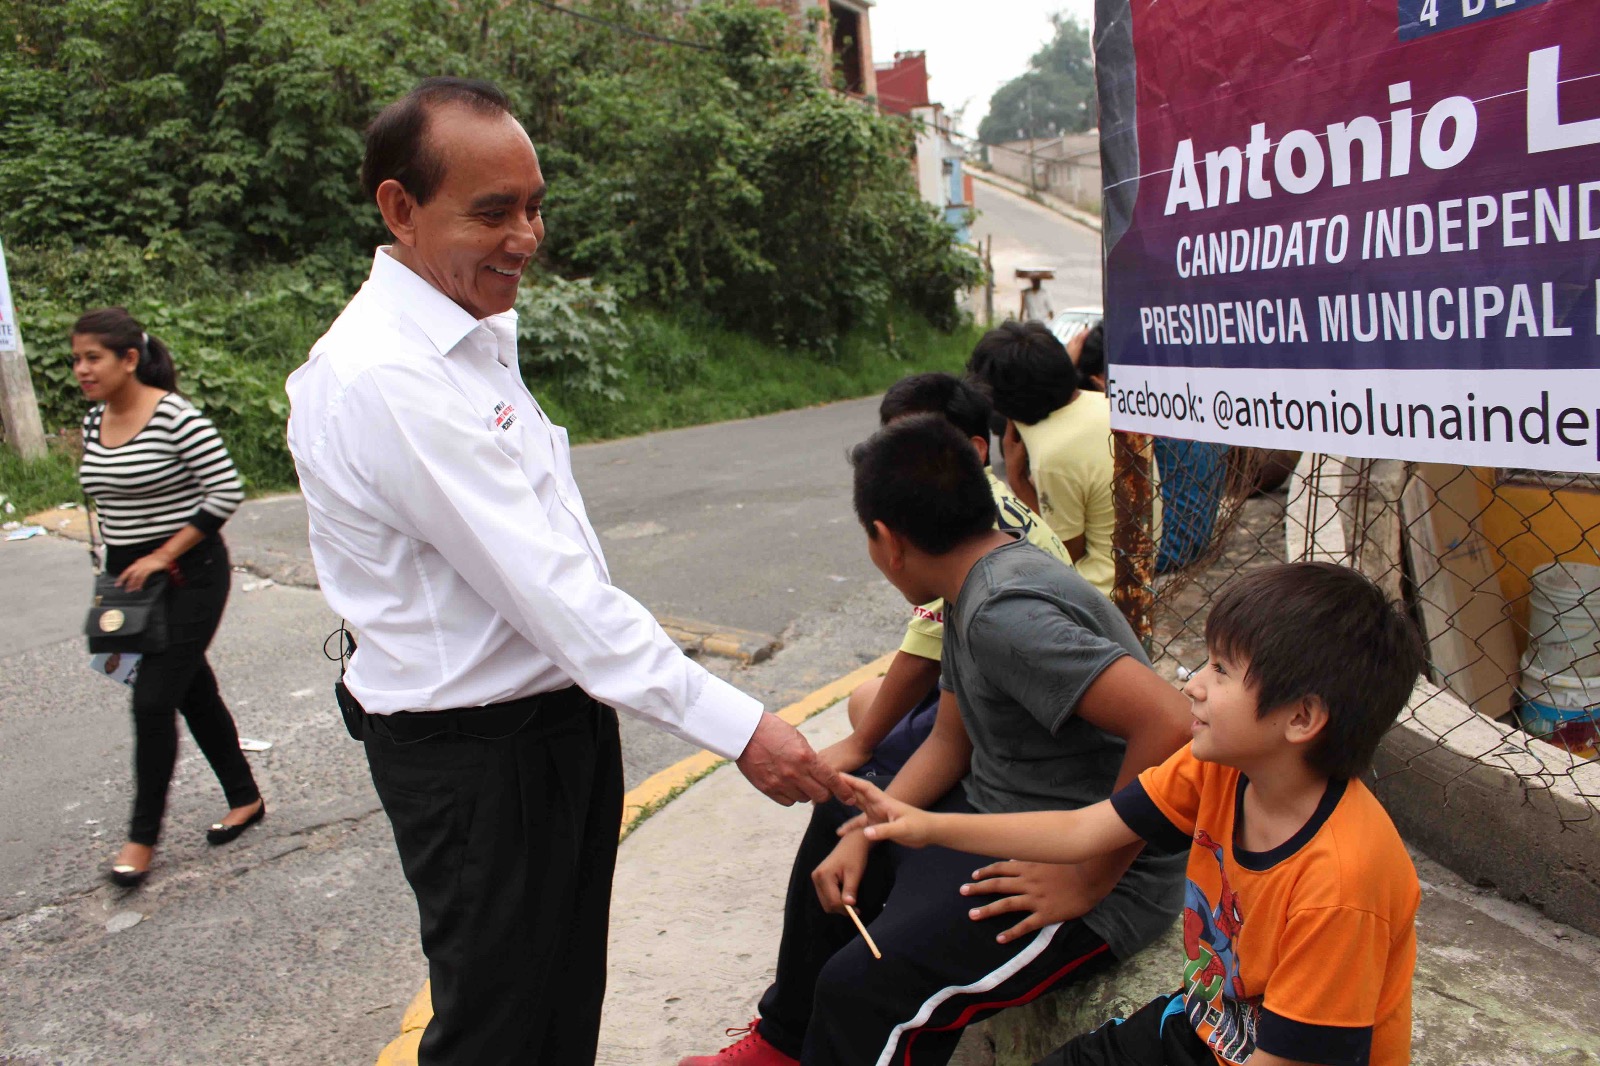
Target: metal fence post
<point>1133,551</point>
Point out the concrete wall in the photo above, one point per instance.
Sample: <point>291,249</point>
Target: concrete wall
<point>1496,807</point>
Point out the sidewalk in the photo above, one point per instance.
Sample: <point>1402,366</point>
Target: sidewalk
<point>699,898</point>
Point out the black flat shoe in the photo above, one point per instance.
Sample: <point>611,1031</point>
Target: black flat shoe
<point>220,833</point>
<point>127,876</point>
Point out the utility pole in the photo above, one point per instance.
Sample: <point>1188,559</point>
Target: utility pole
<point>19,408</point>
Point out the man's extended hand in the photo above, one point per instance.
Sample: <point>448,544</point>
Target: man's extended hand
<point>1045,892</point>
<point>780,763</point>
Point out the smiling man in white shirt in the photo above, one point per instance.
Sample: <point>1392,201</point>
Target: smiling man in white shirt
<point>447,528</point>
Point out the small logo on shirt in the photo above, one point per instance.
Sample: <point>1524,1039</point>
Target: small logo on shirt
<point>928,616</point>
<point>505,415</point>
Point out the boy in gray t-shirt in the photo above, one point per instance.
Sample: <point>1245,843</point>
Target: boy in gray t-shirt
<point>1050,704</point>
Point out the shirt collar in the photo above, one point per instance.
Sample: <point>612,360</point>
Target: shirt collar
<point>444,321</point>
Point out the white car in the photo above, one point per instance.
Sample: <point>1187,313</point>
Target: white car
<point>1068,322</point>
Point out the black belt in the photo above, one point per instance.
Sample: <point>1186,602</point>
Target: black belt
<point>494,722</point>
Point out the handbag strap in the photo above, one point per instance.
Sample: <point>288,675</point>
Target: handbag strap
<point>97,558</point>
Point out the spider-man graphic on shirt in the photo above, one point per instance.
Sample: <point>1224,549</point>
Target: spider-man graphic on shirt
<point>1214,996</point>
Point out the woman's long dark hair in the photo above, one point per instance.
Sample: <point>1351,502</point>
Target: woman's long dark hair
<point>120,331</point>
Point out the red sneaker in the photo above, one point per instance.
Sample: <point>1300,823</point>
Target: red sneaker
<point>751,1049</point>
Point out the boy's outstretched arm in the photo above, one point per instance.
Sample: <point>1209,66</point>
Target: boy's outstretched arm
<point>1037,836</point>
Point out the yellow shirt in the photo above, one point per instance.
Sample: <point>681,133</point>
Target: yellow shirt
<point>925,634</point>
<point>1069,458</point>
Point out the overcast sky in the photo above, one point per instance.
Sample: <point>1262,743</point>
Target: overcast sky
<point>973,49</point>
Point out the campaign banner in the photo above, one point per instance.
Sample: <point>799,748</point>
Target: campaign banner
<point>10,336</point>
<point>1362,227</point>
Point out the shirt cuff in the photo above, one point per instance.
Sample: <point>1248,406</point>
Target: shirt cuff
<point>922,645</point>
<point>1140,813</point>
<point>1332,1045</point>
<point>722,719</point>
<point>206,522</point>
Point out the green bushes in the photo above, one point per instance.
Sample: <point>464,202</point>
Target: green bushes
<point>196,161</point>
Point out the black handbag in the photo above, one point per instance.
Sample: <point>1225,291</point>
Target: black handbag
<point>124,620</point>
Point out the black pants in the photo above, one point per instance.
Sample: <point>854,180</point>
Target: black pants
<point>833,1004</point>
<point>1156,1034</point>
<point>179,681</point>
<point>507,831</point>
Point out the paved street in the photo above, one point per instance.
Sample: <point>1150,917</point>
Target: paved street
<point>1027,234</point>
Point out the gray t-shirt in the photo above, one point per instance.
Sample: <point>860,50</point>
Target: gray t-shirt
<point>1023,643</point>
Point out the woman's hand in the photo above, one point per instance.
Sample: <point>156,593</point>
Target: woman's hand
<point>134,576</point>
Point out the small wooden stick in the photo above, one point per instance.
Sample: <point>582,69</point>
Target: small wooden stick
<point>854,917</point>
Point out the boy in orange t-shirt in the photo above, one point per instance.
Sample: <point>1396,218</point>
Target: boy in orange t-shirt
<point>1298,930</point>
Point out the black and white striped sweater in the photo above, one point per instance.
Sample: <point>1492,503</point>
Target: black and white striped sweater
<point>174,472</point>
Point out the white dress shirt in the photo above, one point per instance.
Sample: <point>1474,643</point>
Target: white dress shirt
<point>447,529</point>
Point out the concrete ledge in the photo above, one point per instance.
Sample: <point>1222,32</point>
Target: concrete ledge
<point>1490,989</point>
<point>1495,806</point>
<point>1023,1035</point>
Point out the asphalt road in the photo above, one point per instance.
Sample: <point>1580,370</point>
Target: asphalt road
<point>1026,235</point>
<point>296,946</point>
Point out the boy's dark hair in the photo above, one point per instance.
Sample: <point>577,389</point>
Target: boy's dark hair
<point>398,145</point>
<point>1318,629</point>
<point>1025,370</point>
<point>1092,358</point>
<point>961,402</point>
<point>922,479</point>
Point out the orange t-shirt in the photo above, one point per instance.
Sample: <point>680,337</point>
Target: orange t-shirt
<point>1305,951</point>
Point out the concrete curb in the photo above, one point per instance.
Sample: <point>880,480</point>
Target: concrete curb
<point>1044,200</point>
<point>653,793</point>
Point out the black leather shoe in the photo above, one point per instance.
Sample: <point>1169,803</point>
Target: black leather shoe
<point>220,833</point>
<point>127,876</point>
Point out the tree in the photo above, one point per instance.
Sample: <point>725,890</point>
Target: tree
<point>1056,95</point>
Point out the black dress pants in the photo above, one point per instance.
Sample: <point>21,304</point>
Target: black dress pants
<point>833,1004</point>
<point>179,681</point>
<point>507,825</point>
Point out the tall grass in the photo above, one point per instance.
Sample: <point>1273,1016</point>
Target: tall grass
<point>682,371</point>
<point>37,486</point>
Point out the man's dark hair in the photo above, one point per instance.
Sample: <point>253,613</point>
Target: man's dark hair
<point>961,402</point>
<point>1092,357</point>
<point>1318,629</point>
<point>398,145</point>
<point>920,477</point>
<point>1025,370</point>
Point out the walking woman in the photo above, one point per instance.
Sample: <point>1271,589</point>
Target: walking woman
<point>164,485</point>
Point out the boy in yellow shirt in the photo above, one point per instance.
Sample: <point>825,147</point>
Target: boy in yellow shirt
<point>1298,918</point>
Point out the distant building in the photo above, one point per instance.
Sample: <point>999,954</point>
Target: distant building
<point>846,38</point>
<point>1066,166</point>
<point>941,179</point>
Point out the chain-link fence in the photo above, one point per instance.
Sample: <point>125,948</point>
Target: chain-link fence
<point>1500,569</point>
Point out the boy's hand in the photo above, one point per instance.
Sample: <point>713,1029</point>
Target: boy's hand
<point>1046,892</point>
<point>846,755</point>
<point>837,877</point>
<point>885,818</point>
